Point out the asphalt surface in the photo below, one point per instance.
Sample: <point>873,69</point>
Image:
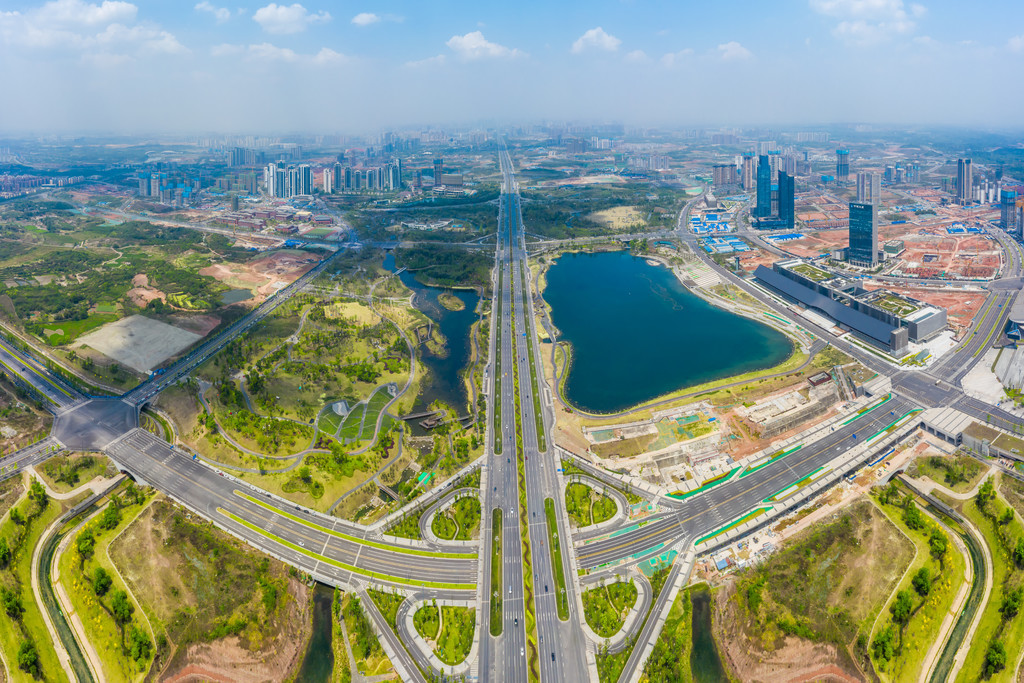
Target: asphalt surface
<point>23,367</point>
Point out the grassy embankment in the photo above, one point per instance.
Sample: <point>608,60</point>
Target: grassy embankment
<point>999,639</point>
<point>370,657</point>
<point>609,665</point>
<point>111,615</point>
<point>670,660</point>
<point>26,643</point>
<point>459,521</point>
<point>913,614</point>
<point>555,545</point>
<point>495,586</point>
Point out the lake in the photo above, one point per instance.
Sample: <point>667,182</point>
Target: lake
<point>637,333</point>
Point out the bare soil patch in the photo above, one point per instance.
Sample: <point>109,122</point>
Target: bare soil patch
<point>139,342</point>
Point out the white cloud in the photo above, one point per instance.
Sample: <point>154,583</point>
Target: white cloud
<point>1016,44</point>
<point>78,12</point>
<point>284,19</point>
<point>637,57</point>
<point>733,52</point>
<point>670,59</point>
<point>436,60</point>
<point>221,14</point>
<point>474,46</point>
<point>268,52</point>
<point>365,19</point>
<point>597,39</point>
<point>865,22</point>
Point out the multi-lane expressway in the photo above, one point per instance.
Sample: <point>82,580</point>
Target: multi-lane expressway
<point>353,556</point>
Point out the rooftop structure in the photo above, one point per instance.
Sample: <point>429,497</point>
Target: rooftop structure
<point>885,319</point>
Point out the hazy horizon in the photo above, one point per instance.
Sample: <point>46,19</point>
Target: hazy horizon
<point>73,66</point>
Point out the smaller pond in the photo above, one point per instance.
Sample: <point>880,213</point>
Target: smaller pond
<point>234,296</point>
<point>705,663</point>
<point>318,662</point>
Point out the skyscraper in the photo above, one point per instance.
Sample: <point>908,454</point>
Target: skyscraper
<point>869,188</point>
<point>842,164</point>
<point>964,182</point>
<point>763,209</point>
<point>863,248</point>
<point>723,175</point>
<point>1008,211</point>
<point>748,171</point>
<point>305,185</point>
<point>328,180</point>
<point>438,170</point>
<point>787,199</point>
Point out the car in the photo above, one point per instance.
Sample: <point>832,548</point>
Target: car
<point>510,590</point>
<point>522,652</point>
<point>545,588</point>
<point>515,621</point>
<point>552,656</point>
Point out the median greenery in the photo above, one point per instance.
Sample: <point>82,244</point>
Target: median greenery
<point>366,648</point>
<point>460,521</point>
<point>496,596</point>
<point>555,545</point>
<point>456,637</point>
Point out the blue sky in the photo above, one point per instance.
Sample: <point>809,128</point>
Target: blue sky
<point>182,66</point>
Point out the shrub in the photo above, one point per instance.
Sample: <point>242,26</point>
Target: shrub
<point>28,658</point>
<point>922,581</point>
<point>995,659</point>
<point>1011,602</point>
<point>884,645</point>
<point>901,607</point>
<point>121,607</point>
<point>101,581</point>
<point>11,602</point>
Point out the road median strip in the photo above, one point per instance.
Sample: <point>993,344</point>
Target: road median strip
<point>729,527</point>
<point>350,538</point>
<point>778,456</point>
<point>707,485</point>
<point>342,565</point>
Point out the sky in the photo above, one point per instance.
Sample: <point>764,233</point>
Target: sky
<point>362,66</point>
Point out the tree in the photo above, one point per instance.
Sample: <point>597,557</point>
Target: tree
<point>1006,517</point>
<point>938,544</point>
<point>37,493</point>
<point>995,658</point>
<point>16,516</point>
<point>1012,602</point>
<point>1018,553</point>
<point>111,516</point>
<point>922,581</point>
<point>902,607</point>
<point>11,602</point>
<point>101,581</point>
<point>5,553</point>
<point>884,646</point>
<point>304,474</point>
<point>912,516</point>
<point>86,544</point>
<point>139,645</point>
<point>986,493</point>
<point>28,658</point>
<point>121,607</point>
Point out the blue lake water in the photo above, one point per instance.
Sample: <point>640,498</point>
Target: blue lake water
<point>637,333</point>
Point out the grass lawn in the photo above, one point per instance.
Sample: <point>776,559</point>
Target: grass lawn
<point>331,489</point>
<point>407,527</point>
<point>606,607</point>
<point>994,625</point>
<point>456,637</point>
<point>586,506</point>
<point>72,329</point>
<point>64,473</point>
<point>17,578</point>
<point>351,427</point>
<point>427,620</point>
<point>388,604</point>
<point>366,648</point>
<point>670,660</point>
<point>958,473</point>
<point>925,621</point>
<point>76,573</point>
<point>459,521</point>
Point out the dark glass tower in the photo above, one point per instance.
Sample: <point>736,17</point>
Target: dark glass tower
<point>863,249</point>
<point>763,209</point>
<point>787,199</point>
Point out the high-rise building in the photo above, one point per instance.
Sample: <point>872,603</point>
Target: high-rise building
<point>763,208</point>
<point>328,180</point>
<point>438,170</point>
<point>863,248</point>
<point>305,179</point>
<point>869,188</point>
<point>748,171</point>
<point>964,182</point>
<point>1008,211</point>
<point>787,199</point>
<point>842,164</point>
<point>723,175</point>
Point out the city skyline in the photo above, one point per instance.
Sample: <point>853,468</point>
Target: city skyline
<point>81,66</point>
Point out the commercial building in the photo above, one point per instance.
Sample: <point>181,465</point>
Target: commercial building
<point>787,199</point>
<point>869,188</point>
<point>763,208</point>
<point>884,319</point>
<point>863,250</point>
<point>438,170</point>
<point>964,182</point>
<point>1008,211</point>
<point>842,164</point>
